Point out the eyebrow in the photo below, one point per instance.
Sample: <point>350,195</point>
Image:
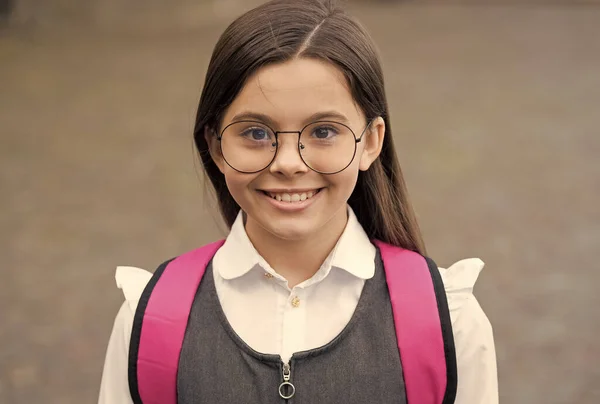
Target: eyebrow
<point>325,115</point>
<point>318,116</point>
<point>252,116</point>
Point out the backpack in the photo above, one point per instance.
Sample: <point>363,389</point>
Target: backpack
<point>419,307</point>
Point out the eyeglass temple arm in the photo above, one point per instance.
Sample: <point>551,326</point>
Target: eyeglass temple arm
<point>364,131</point>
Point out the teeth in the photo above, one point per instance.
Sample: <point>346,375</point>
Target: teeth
<point>285,197</point>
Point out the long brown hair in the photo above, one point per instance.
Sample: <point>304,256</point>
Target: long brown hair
<point>281,30</point>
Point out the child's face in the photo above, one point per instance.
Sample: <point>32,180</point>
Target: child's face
<point>290,95</point>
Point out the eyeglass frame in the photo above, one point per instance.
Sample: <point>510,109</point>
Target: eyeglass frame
<point>300,145</point>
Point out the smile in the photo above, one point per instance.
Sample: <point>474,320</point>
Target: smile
<point>292,197</point>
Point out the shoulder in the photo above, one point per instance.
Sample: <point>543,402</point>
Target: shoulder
<point>471,327</point>
<point>132,281</point>
<point>459,280</point>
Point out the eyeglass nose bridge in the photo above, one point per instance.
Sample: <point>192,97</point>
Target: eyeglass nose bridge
<point>276,142</point>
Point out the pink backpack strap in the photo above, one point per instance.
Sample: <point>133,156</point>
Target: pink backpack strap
<point>423,325</point>
<point>159,326</point>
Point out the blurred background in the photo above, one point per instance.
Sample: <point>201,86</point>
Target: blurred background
<point>496,114</point>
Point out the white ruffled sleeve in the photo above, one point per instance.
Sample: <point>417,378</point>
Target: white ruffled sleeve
<point>473,337</point>
<point>114,388</point>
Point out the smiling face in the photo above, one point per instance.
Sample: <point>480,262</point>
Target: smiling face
<point>288,199</point>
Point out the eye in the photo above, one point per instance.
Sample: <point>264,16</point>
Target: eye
<point>256,133</point>
<point>324,132</point>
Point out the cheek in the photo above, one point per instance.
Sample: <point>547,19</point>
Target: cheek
<point>237,184</point>
<point>345,181</point>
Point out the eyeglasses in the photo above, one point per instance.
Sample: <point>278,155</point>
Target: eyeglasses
<point>327,147</point>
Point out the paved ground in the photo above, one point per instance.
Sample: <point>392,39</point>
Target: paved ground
<point>495,114</point>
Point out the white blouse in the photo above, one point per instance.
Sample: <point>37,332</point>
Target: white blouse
<point>274,319</point>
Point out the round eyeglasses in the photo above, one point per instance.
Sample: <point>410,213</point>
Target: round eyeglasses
<point>327,147</point>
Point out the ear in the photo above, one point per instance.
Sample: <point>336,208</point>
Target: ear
<point>373,142</point>
<point>214,148</point>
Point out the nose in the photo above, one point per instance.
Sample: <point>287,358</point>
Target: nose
<point>287,160</point>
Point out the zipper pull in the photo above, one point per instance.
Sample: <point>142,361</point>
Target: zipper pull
<point>287,374</point>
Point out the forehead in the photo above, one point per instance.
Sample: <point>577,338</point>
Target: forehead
<point>291,92</point>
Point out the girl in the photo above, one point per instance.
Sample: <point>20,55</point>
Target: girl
<point>299,304</point>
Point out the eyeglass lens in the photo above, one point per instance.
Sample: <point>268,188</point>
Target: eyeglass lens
<point>325,147</point>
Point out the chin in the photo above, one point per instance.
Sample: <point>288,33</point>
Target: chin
<point>288,230</point>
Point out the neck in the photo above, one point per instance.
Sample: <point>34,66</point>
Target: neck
<point>297,259</point>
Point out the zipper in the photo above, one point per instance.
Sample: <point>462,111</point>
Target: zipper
<point>286,388</point>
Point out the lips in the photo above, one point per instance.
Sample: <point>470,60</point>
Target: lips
<point>292,196</point>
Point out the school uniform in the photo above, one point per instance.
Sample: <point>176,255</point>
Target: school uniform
<point>335,329</point>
